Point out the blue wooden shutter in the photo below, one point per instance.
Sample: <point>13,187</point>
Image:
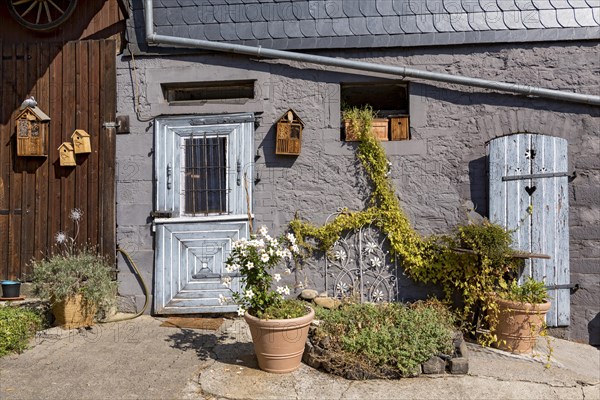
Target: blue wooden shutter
<point>528,172</point>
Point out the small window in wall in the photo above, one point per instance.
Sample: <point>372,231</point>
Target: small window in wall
<point>204,183</point>
<point>388,100</point>
<point>209,92</point>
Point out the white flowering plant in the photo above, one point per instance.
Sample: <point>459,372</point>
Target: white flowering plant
<point>256,260</point>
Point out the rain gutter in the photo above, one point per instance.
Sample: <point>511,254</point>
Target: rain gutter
<point>525,90</point>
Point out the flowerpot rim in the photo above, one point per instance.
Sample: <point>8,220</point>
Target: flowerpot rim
<point>9,282</point>
<point>524,305</point>
<point>307,318</point>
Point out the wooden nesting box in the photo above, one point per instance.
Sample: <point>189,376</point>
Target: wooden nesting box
<point>399,127</point>
<point>32,132</point>
<point>66,155</point>
<point>81,141</point>
<point>379,129</point>
<point>289,134</point>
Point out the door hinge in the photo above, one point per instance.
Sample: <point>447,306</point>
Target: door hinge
<point>534,176</point>
<point>573,287</point>
<point>161,214</point>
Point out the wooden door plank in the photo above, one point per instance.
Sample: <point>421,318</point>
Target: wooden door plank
<point>95,125</point>
<point>56,128</point>
<point>5,165</point>
<point>16,178</point>
<point>81,122</point>
<point>561,204</point>
<point>68,119</point>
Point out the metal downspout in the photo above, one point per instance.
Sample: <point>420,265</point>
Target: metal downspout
<point>152,37</point>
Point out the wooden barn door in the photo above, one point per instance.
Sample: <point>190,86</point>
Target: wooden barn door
<point>528,191</point>
<point>75,84</point>
<point>203,191</point>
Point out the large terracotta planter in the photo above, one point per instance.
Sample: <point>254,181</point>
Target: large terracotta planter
<point>74,312</point>
<point>279,343</point>
<point>519,325</point>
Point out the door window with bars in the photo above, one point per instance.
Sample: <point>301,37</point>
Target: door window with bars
<point>204,175</point>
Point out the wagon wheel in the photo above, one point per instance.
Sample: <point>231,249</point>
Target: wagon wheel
<point>41,15</point>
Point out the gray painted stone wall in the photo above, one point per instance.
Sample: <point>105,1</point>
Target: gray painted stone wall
<point>441,168</point>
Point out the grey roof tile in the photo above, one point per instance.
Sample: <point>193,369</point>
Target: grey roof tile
<point>579,3</point>
<point>341,27</point>
<point>425,23</point>
<point>442,23</point>
<point>308,28</point>
<point>366,41</point>
<point>190,16</point>
<point>358,26</point>
<point>531,20</point>
<point>294,43</point>
<point>543,4</point>
<point>206,15</point>
<point>460,22</point>
<point>495,20</point>
<point>292,29</point>
<point>276,30</point>
<point>471,6</point>
<point>489,5</point>
<point>375,26</point>
<point>548,19</point>
<point>213,32</point>
<point>197,31</point>
<point>285,11</point>
<point>507,5</point>
<point>300,10</point>
<point>166,30</point>
<point>558,4</point>
<point>174,16</point>
<point>338,42</point>
<point>525,5</point>
<point>593,3</point>
<point>217,2</point>
<point>222,14</point>
<point>381,41</point>
<point>187,3</point>
<point>260,30</point>
<point>453,7</point>
<point>385,7</point>
<point>513,19</point>
<point>478,22</point>
<point>391,25</point>
<point>408,23</point>
<point>351,8</point>
<point>317,9</point>
<point>353,41</point>
<point>368,8</point>
<point>280,43</point>
<point>417,7</point>
<point>237,13</point>
<point>435,6</point>
<point>160,17</point>
<point>269,12</point>
<point>402,7</point>
<point>585,17</point>
<point>169,3</point>
<point>335,9</point>
<point>325,27</point>
<point>181,30</point>
<point>244,31</point>
<point>254,13</point>
<point>596,13</point>
<point>566,18</point>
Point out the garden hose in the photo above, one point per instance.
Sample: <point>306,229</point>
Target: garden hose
<point>144,288</point>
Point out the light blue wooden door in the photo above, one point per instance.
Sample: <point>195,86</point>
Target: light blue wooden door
<point>528,193</point>
<point>203,165</point>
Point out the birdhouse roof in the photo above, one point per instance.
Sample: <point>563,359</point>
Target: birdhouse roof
<point>80,132</point>
<point>39,114</point>
<point>68,145</point>
<point>296,117</point>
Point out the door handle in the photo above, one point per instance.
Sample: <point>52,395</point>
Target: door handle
<point>169,173</point>
<point>238,169</point>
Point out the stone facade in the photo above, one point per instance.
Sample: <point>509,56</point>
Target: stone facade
<point>440,169</point>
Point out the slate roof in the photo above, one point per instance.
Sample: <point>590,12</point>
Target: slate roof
<point>302,24</point>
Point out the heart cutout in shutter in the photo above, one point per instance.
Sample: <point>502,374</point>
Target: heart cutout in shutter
<point>530,190</point>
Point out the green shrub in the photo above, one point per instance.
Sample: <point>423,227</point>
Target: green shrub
<point>531,291</point>
<point>17,326</point>
<point>285,310</point>
<point>389,335</point>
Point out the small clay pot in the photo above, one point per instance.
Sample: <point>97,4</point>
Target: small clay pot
<point>11,289</point>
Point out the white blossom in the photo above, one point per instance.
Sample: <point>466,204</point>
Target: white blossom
<point>241,311</point>
<point>287,254</point>
<point>295,249</point>
<point>249,294</point>
<point>263,230</point>
<point>228,268</point>
<point>222,299</point>
<point>279,253</point>
<point>76,214</point>
<point>226,281</point>
<point>281,289</point>
<point>60,237</point>
<point>250,265</point>
<point>290,236</point>
<point>277,277</point>
<point>286,291</point>
<point>264,258</point>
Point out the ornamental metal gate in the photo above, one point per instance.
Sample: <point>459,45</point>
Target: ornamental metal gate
<point>201,207</point>
<point>528,192</point>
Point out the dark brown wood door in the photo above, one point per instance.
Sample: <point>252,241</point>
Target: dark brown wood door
<point>75,85</point>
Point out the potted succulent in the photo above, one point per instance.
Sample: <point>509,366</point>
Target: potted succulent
<point>279,327</point>
<point>77,281</point>
<point>521,312</point>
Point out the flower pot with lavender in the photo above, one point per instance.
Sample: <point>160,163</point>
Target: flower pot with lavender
<point>279,327</point>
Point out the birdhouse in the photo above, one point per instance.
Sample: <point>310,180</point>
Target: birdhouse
<point>32,132</point>
<point>81,141</point>
<point>289,134</point>
<point>66,155</point>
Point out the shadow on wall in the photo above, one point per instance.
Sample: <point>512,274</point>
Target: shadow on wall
<point>478,184</point>
<point>594,331</point>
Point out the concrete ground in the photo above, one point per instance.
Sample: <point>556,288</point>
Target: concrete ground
<point>138,359</point>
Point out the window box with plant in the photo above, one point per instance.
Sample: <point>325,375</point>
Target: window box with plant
<point>279,327</point>
<point>76,280</point>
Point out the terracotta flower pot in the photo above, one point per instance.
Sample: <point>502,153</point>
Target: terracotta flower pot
<point>519,325</point>
<point>279,343</point>
<point>74,312</point>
